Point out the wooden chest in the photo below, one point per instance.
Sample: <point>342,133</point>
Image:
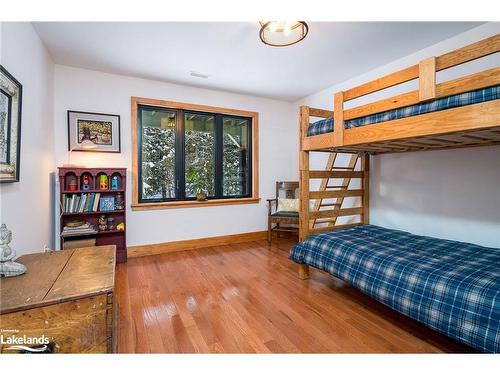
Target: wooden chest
<point>66,298</point>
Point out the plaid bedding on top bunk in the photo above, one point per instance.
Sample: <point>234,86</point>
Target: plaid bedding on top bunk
<point>452,287</point>
<point>459,100</point>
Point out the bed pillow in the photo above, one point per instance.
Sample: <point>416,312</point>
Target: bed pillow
<point>290,205</point>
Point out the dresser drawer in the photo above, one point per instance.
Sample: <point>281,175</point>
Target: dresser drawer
<point>80,326</point>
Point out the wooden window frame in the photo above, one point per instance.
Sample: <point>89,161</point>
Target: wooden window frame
<point>254,116</point>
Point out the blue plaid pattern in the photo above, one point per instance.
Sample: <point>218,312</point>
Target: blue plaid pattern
<point>452,287</point>
<point>459,100</point>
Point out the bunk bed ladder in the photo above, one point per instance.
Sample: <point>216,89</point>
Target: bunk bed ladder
<point>329,199</point>
<point>325,185</point>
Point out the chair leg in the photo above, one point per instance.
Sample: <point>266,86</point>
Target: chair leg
<point>269,231</point>
<point>278,233</point>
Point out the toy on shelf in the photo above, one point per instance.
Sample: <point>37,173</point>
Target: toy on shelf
<point>103,182</point>
<point>85,182</point>
<point>115,183</point>
<point>72,183</point>
<point>102,223</point>
<point>121,226</point>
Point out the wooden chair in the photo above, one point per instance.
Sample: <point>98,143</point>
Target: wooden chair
<point>284,221</point>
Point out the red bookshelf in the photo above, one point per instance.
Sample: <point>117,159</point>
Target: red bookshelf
<point>79,190</point>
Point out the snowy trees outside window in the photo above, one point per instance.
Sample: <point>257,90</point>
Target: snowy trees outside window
<point>158,163</point>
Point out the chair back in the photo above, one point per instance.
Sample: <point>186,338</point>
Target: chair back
<point>287,189</point>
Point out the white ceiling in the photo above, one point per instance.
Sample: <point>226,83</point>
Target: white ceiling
<point>233,55</point>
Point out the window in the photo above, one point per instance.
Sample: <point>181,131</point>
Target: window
<point>158,156</point>
<point>182,151</point>
<point>199,154</point>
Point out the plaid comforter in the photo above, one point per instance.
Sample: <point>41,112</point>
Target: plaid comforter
<point>467,98</point>
<point>452,287</point>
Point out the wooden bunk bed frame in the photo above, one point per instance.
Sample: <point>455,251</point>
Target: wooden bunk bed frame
<point>466,126</point>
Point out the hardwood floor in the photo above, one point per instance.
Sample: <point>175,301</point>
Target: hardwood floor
<point>247,298</point>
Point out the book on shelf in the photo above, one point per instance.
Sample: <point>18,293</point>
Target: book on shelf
<point>78,233</point>
<point>79,230</point>
<point>74,203</point>
<point>86,225</point>
<point>96,202</point>
<point>88,203</point>
<point>80,201</point>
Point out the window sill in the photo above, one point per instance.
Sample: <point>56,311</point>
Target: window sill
<point>187,204</point>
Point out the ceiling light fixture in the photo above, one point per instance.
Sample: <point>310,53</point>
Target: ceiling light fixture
<point>282,33</point>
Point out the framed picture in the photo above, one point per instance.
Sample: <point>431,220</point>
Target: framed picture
<point>107,204</point>
<point>11,92</point>
<point>101,129</point>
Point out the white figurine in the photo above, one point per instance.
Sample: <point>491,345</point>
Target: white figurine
<point>7,266</point>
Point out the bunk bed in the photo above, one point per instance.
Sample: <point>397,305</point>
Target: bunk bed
<point>452,287</point>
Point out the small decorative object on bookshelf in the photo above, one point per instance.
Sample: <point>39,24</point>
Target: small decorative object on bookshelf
<point>103,223</point>
<point>115,182</point>
<point>103,182</point>
<point>85,181</point>
<point>75,223</point>
<point>72,184</point>
<point>91,207</point>
<point>107,204</point>
<point>119,205</point>
<point>111,223</point>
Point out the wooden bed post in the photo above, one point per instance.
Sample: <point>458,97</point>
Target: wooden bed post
<point>304,187</point>
<point>427,79</point>
<point>304,176</point>
<point>338,119</point>
<point>365,167</point>
<point>303,271</point>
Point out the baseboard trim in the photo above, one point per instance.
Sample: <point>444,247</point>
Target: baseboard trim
<point>174,246</point>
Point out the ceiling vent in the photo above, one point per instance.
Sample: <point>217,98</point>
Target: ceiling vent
<point>199,75</point>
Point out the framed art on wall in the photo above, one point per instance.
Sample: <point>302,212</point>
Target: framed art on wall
<point>10,126</point>
<point>103,130</point>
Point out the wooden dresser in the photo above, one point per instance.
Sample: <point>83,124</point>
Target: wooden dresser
<point>66,296</point>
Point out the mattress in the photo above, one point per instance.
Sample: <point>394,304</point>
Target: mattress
<point>452,287</point>
<point>459,100</point>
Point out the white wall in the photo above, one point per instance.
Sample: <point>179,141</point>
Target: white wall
<point>25,206</point>
<point>451,194</point>
<point>85,90</point>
